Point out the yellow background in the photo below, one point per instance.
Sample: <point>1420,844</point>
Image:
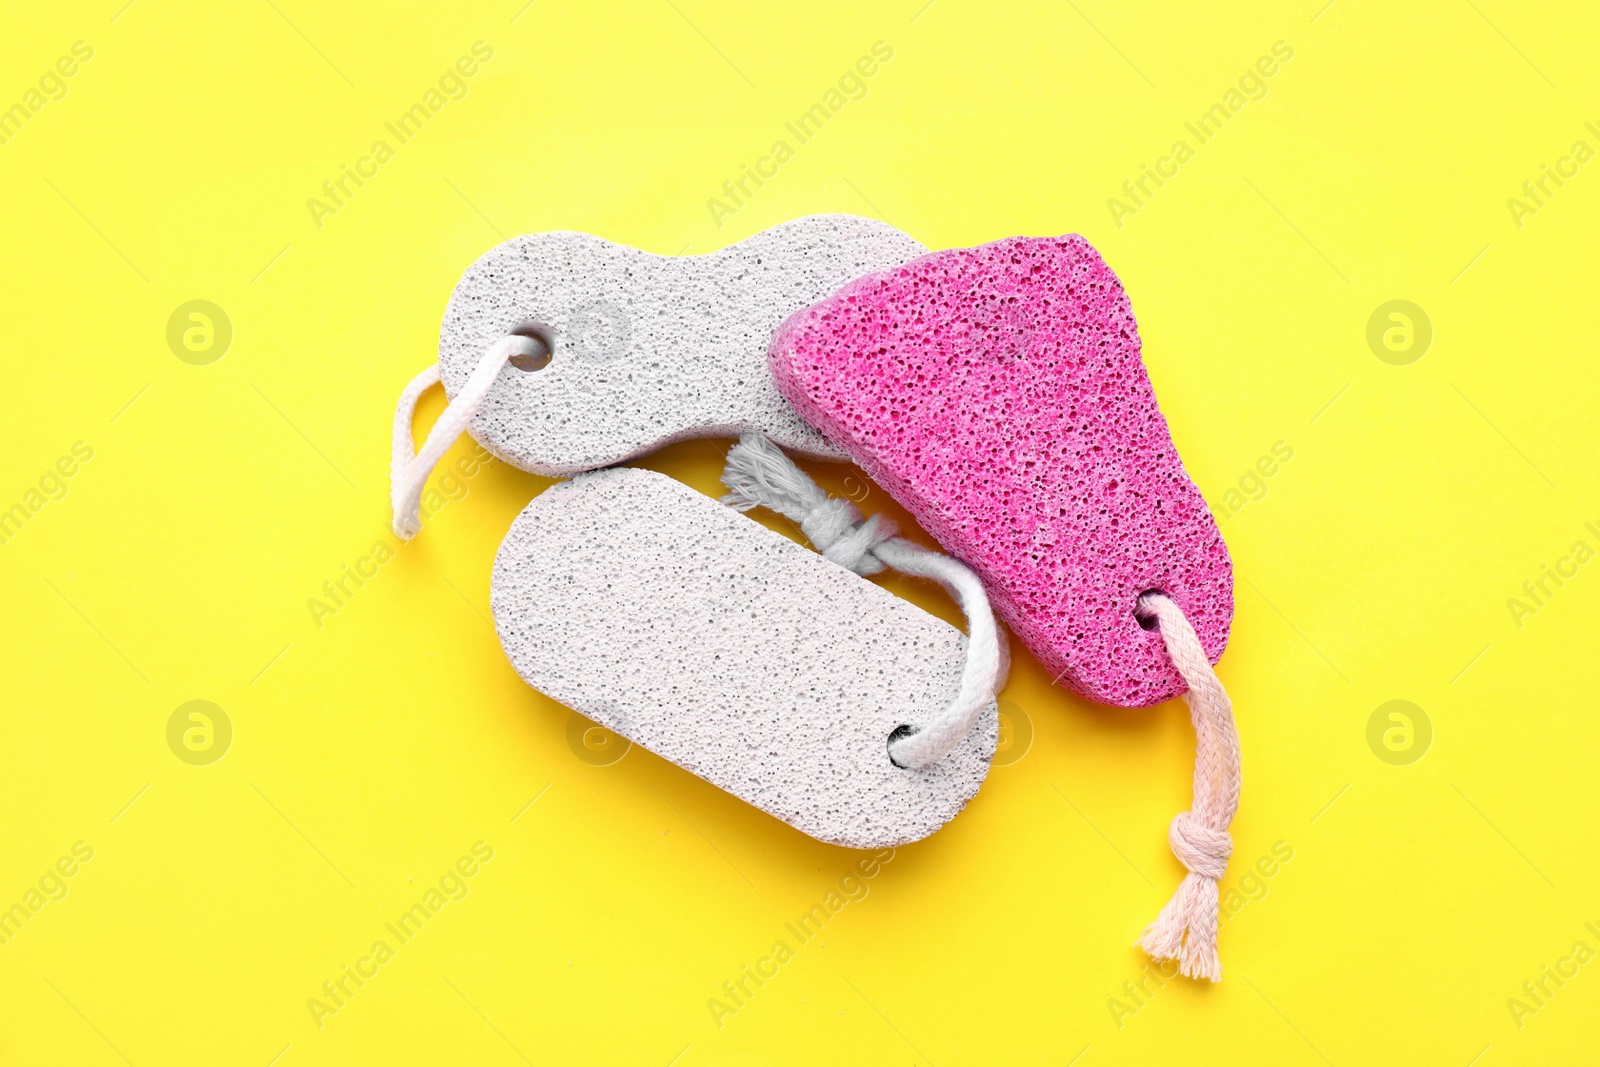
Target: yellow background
<point>371,752</point>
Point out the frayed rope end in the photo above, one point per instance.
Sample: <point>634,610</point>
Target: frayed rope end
<point>758,474</point>
<point>1186,929</point>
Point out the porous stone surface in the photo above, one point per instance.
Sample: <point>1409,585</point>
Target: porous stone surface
<point>999,395</point>
<point>648,349</point>
<point>735,653</point>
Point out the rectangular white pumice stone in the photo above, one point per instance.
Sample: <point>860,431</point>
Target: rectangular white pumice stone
<point>735,653</point>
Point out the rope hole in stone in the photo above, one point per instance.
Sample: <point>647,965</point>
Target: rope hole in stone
<point>543,338</point>
<point>1147,619</point>
<point>904,730</point>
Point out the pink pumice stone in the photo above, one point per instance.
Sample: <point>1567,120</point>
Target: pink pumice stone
<point>999,395</point>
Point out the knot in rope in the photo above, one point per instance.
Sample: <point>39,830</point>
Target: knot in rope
<point>760,475</point>
<point>837,530</point>
<point>1199,848</point>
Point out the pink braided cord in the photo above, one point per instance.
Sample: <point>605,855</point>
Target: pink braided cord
<point>1186,929</point>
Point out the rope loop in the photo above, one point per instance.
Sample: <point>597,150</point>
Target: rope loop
<point>759,474</point>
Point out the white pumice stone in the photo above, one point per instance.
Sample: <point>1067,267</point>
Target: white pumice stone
<point>735,653</point>
<point>648,349</point>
